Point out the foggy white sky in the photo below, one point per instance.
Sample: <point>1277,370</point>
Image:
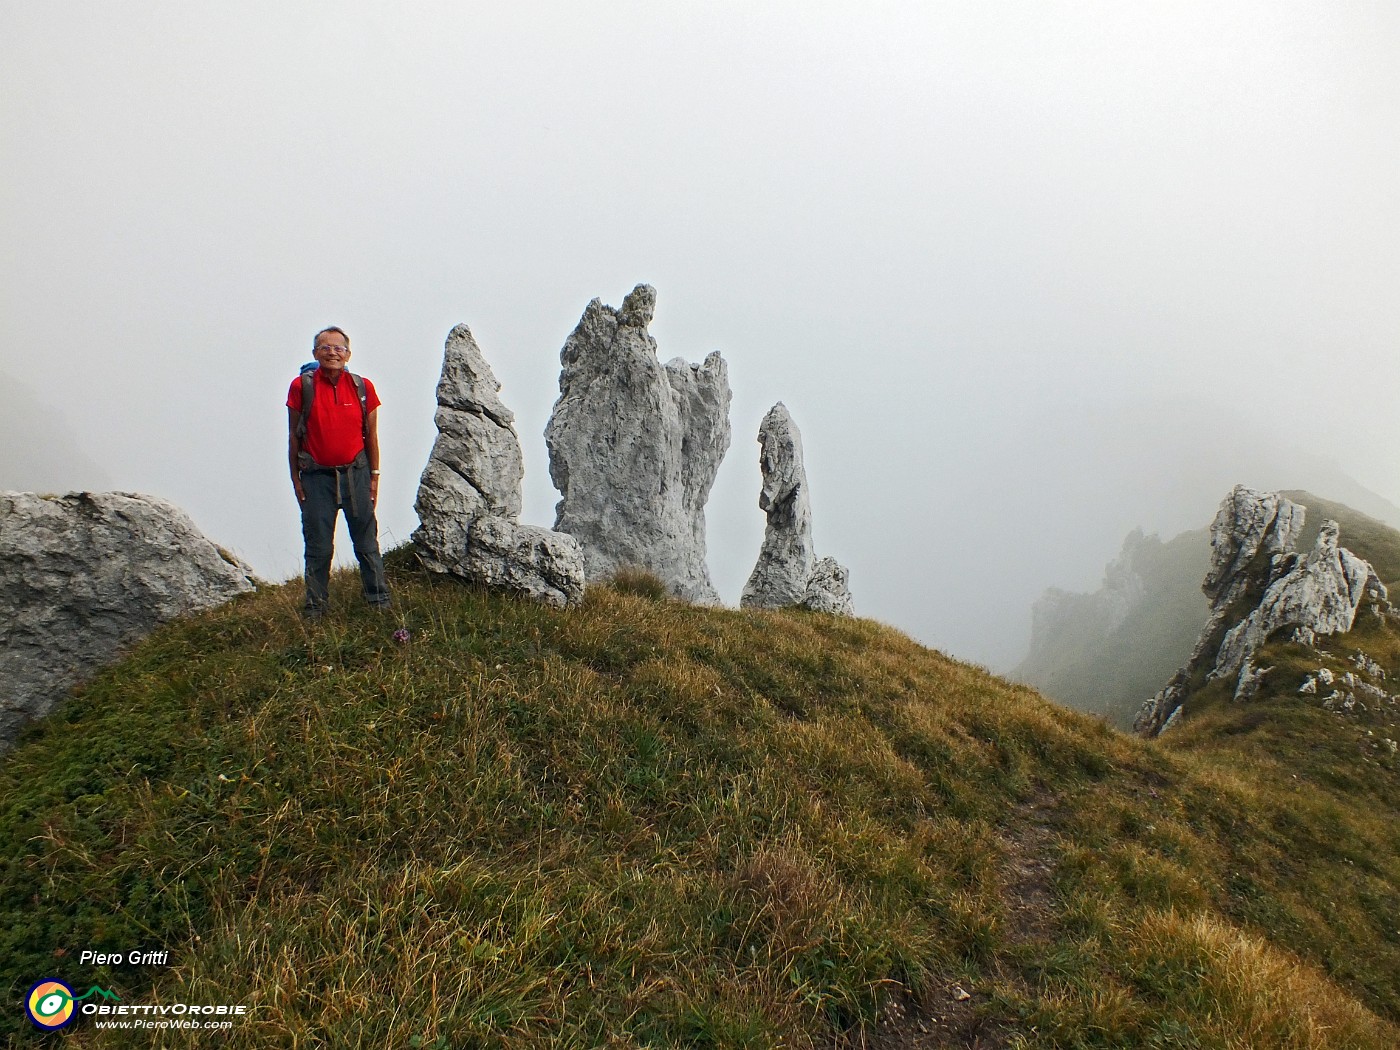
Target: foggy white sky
<point>1027,274</point>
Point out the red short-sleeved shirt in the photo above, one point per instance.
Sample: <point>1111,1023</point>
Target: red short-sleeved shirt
<point>334,430</point>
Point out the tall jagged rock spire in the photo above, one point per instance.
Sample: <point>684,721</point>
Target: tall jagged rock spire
<point>787,571</point>
<point>469,496</point>
<point>634,447</point>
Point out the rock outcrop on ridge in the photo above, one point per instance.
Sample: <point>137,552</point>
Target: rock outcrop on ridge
<point>1258,585</point>
<point>1319,593</point>
<point>1353,691</point>
<point>634,447</point>
<point>469,495</point>
<point>85,575</point>
<point>787,571</point>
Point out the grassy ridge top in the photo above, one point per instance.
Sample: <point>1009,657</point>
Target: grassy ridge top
<point>641,823</point>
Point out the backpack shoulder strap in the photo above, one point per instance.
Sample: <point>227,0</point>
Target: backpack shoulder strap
<point>308,394</point>
<point>363,395</point>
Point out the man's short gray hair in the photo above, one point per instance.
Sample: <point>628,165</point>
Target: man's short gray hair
<point>332,328</point>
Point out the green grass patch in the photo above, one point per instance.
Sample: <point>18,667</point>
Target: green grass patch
<point>639,823</point>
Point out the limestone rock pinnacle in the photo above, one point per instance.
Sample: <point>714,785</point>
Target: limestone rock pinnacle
<point>786,559</point>
<point>787,571</point>
<point>634,446</point>
<point>469,495</point>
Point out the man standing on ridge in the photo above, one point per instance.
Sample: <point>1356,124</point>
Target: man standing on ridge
<point>333,451</point>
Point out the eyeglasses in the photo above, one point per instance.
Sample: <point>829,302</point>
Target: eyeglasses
<point>332,346</point>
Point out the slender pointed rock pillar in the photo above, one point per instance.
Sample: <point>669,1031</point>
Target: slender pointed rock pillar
<point>786,559</point>
<point>787,571</point>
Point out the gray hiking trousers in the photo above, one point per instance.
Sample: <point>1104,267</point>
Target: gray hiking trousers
<point>328,490</point>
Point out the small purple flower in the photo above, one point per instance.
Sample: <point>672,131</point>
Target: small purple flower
<point>401,635</point>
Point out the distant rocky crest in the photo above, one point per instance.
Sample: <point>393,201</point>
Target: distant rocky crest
<point>1123,590</point>
<point>85,575</point>
<point>634,447</point>
<point>1259,586</point>
<point>1102,652</point>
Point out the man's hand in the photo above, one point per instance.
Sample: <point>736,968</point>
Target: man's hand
<point>301,493</point>
<point>374,490</point>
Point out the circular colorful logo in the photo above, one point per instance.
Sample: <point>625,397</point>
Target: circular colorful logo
<point>50,1004</point>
